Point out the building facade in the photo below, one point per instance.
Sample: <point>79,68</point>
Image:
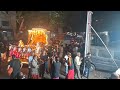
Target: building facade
<point>7,24</point>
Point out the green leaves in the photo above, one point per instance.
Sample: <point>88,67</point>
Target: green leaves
<point>51,19</point>
<point>57,18</point>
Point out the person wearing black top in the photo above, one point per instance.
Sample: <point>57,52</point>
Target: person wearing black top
<point>56,68</point>
<point>87,61</point>
<point>44,64</point>
<point>16,65</point>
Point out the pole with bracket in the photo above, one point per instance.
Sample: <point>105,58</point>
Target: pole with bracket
<point>88,33</point>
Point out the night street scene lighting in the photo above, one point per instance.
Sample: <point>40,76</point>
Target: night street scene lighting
<point>59,44</point>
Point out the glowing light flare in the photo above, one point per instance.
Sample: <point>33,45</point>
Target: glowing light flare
<point>37,35</point>
<point>21,44</point>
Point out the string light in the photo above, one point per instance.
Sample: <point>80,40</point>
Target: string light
<point>39,35</point>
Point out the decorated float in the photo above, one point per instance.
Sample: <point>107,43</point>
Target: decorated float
<point>37,37</point>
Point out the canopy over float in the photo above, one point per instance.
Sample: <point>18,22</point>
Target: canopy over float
<point>37,35</point>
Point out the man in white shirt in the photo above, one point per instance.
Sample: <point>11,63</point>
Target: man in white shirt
<point>77,64</point>
<point>66,64</point>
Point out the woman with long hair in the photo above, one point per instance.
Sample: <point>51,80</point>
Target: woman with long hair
<point>70,74</point>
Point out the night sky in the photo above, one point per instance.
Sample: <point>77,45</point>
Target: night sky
<point>101,20</point>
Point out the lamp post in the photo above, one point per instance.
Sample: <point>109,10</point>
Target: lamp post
<point>88,32</point>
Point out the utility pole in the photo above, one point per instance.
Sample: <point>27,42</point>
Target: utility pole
<point>88,32</point>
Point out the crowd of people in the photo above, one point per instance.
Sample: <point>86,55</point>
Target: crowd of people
<point>48,59</point>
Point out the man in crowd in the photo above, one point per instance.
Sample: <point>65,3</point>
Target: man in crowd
<point>77,64</point>
<point>16,65</point>
<point>30,58</point>
<point>66,64</point>
<point>87,65</point>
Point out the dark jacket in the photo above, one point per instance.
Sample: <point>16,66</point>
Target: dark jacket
<point>87,62</point>
<point>56,69</point>
<point>16,64</point>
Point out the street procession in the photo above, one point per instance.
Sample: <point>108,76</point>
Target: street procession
<point>57,45</point>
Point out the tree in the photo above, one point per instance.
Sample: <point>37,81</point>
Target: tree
<point>20,22</point>
<point>57,19</point>
<point>31,19</point>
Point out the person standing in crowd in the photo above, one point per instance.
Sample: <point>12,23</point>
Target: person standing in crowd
<point>75,50</point>
<point>66,64</point>
<point>70,74</point>
<point>51,64</point>
<point>77,65</point>
<point>87,65</point>
<point>56,67</point>
<point>16,65</point>
<point>35,68</point>
<point>30,58</point>
<point>44,64</point>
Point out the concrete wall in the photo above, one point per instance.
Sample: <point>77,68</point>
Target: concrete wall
<point>103,60</point>
<point>11,17</point>
<point>4,17</point>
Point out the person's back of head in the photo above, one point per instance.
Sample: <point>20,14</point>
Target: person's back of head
<point>57,59</point>
<point>61,45</point>
<point>78,54</point>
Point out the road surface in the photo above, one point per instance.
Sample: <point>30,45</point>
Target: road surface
<point>93,75</point>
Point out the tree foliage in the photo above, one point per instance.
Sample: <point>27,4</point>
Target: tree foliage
<point>47,19</point>
<point>57,18</point>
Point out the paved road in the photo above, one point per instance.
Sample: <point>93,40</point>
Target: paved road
<point>93,75</point>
